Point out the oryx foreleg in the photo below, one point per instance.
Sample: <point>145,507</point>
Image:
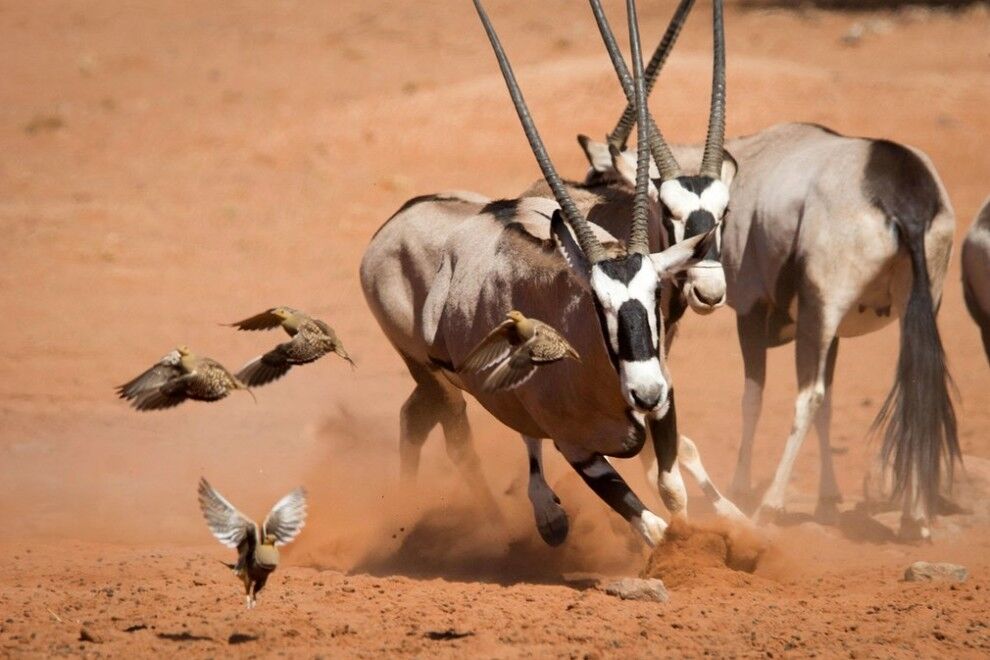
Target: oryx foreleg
<point>551,519</point>
<point>602,478</point>
<point>828,488</point>
<point>670,483</point>
<point>815,331</point>
<point>751,328</point>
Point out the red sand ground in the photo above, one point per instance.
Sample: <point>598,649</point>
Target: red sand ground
<point>171,166</point>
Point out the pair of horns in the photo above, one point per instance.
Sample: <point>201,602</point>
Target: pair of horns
<point>586,238</point>
<point>711,163</point>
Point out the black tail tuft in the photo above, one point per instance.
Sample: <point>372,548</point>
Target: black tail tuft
<point>920,440</point>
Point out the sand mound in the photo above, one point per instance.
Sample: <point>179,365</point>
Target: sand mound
<point>700,554</point>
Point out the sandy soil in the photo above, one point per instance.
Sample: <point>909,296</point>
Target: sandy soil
<point>166,167</point>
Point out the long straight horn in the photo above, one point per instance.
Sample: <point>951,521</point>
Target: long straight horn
<point>638,236</point>
<point>711,163</point>
<point>620,135</point>
<point>666,163</point>
<point>586,238</point>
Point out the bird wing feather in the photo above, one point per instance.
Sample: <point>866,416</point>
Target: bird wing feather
<point>287,517</point>
<point>493,348</point>
<point>163,370</point>
<point>230,526</point>
<point>512,372</point>
<point>265,368</point>
<point>264,321</point>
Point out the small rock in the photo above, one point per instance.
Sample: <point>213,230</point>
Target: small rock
<point>87,636</point>
<point>854,34</point>
<point>923,571</point>
<point>650,589</point>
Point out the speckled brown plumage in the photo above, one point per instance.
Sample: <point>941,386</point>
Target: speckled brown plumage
<point>179,376</point>
<point>517,347</point>
<point>311,340</point>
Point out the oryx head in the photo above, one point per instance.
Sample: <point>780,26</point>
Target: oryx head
<point>625,287</point>
<point>691,205</point>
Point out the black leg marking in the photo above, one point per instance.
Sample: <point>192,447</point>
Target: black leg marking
<point>664,432</point>
<point>602,478</point>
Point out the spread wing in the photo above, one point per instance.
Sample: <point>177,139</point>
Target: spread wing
<point>265,368</point>
<point>263,321</point>
<point>164,370</point>
<point>512,372</point>
<point>491,349</point>
<point>287,517</point>
<point>230,526</point>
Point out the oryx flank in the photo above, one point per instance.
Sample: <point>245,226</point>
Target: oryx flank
<point>833,236</point>
<point>440,274</point>
<point>976,273</point>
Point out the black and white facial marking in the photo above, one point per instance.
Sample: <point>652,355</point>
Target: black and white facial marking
<point>693,205</point>
<point>626,292</point>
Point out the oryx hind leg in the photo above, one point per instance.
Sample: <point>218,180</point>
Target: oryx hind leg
<point>435,401</point>
<point>829,496</point>
<point>551,519</point>
<point>688,456</point>
<point>816,328</point>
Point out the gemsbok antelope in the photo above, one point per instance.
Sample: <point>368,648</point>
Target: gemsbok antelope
<point>442,272</point>
<point>976,273</point>
<point>832,236</point>
<point>691,205</point>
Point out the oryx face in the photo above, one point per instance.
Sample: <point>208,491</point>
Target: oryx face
<point>693,205</point>
<point>625,290</point>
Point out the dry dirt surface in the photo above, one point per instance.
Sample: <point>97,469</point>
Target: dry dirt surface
<point>169,166</point>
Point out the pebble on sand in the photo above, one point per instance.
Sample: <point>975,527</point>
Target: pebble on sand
<point>923,571</point>
<point>648,589</point>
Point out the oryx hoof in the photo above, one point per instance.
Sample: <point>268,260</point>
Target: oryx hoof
<point>827,511</point>
<point>914,531</point>
<point>551,521</point>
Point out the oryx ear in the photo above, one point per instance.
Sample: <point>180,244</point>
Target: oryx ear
<point>685,254</point>
<point>596,153</point>
<point>625,166</point>
<point>729,168</point>
<point>569,248</point>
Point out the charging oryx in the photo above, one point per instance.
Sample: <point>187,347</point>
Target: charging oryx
<point>976,273</point>
<point>833,236</point>
<point>441,273</point>
<point>690,206</point>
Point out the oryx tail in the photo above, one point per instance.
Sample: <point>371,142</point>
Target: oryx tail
<point>918,416</point>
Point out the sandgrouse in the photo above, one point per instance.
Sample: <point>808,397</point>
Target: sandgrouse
<point>178,376</point>
<point>311,340</point>
<point>257,551</point>
<point>517,347</point>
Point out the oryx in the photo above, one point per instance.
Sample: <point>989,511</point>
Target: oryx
<point>832,236</point>
<point>442,272</point>
<point>976,273</point>
<point>689,205</point>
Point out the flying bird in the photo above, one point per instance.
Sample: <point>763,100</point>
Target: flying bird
<point>311,340</point>
<point>178,376</point>
<point>257,547</point>
<point>517,347</point>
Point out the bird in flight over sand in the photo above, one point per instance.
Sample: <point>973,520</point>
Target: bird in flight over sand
<point>257,551</point>
<point>178,376</point>
<point>517,347</point>
<point>311,340</point>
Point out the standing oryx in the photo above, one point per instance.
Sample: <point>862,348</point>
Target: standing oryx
<point>440,274</point>
<point>976,273</point>
<point>833,236</point>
